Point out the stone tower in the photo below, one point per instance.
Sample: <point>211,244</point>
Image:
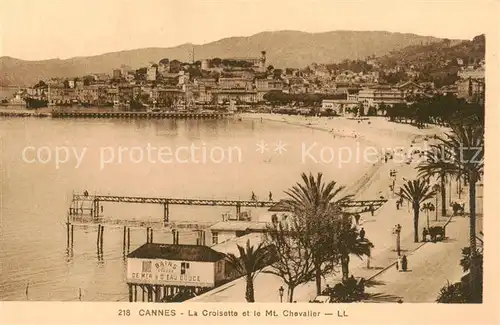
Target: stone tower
<point>262,64</point>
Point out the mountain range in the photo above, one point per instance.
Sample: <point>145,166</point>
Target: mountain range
<point>292,49</point>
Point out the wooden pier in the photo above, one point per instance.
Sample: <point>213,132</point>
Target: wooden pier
<point>94,207</point>
<point>86,211</point>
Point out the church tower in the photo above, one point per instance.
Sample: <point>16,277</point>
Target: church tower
<point>262,63</point>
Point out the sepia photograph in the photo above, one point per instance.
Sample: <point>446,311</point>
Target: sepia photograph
<point>220,160</point>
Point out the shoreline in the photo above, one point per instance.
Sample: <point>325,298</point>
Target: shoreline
<point>360,184</point>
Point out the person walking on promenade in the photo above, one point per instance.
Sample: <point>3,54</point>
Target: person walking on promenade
<point>397,205</point>
<point>398,264</point>
<point>270,196</point>
<point>372,210</point>
<point>404,263</point>
<point>254,198</point>
<point>362,234</point>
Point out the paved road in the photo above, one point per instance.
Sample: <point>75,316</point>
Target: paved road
<point>430,267</point>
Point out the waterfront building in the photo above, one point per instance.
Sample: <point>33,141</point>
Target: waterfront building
<point>238,95</point>
<point>227,230</point>
<point>168,97</point>
<point>61,96</point>
<point>263,86</point>
<point>166,269</point>
<point>339,106</point>
<point>375,97</point>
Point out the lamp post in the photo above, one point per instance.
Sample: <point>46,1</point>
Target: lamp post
<point>397,232</point>
<point>281,290</point>
<point>436,188</point>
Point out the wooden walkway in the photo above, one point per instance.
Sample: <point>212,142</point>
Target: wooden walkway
<point>82,204</point>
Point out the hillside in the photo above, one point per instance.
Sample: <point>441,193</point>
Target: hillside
<point>437,61</point>
<point>284,49</point>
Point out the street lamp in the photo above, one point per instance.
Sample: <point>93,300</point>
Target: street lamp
<point>397,232</point>
<point>436,188</point>
<point>281,290</point>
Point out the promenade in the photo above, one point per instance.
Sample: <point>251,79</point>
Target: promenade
<point>378,229</point>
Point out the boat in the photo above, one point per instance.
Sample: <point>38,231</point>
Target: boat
<point>35,103</point>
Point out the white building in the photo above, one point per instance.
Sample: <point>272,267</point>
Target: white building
<point>339,106</point>
<point>375,97</point>
<point>227,230</point>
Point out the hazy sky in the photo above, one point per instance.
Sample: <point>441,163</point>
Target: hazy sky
<point>42,29</point>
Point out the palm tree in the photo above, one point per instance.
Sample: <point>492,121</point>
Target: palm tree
<point>318,205</point>
<point>467,143</point>
<point>438,164</point>
<point>250,262</point>
<point>428,206</point>
<point>416,192</point>
<point>349,243</point>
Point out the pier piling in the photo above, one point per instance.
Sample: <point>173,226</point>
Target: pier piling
<point>67,234</point>
<point>98,236</point>
<point>124,238</point>
<point>130,292</point>
<point>102,238</point>
<point>128,240</point>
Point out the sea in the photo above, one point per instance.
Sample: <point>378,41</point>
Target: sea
<point>44,161</point>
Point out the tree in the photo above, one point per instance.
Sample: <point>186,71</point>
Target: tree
<point>41,84</point>
<point>466,142</point>
<point>416,192</point>
<point>438,164</point>
<point>428,207</point>
<point>317,206</point>
<point>250,262</point>
<point>294,261</point>
<point>216,62</point>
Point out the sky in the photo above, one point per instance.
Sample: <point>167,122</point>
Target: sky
<point>36,29</point>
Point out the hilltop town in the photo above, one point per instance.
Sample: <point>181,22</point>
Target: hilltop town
<point>402,76</point>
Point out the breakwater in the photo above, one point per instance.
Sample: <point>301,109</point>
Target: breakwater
<point>14,113</point>
<point>139,115</point>
<point>120,115</point>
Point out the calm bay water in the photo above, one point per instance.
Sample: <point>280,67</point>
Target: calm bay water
<point>35,197</point>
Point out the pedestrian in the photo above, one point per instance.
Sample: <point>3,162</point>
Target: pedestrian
<point>398,264</point>
<point>362,233</point>
<point>397,204</point>
<point>372,210</point>
<point>404,263</point>
<point>425,232</point>
<point>357,216</point>
<point>270,196</point>
<point>254,198</point>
